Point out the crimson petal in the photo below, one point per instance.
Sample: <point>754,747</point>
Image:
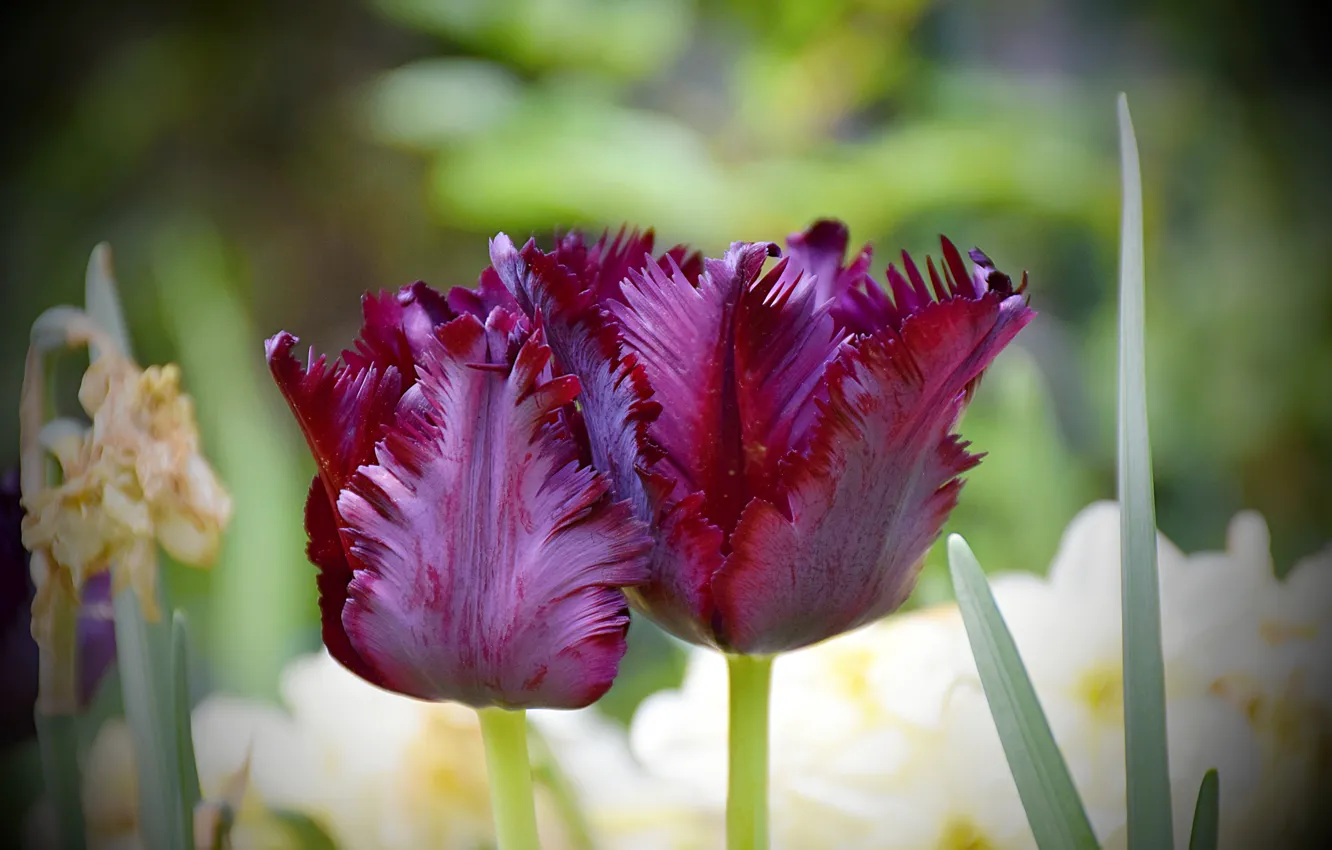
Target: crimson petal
<point>602,266</point>
<point>784,339</point>
<point>342,411</point>
<point>396,326</point>
<point>871,496</point>
<point>492,562</point>
<point>615,402</point>
<point>685,336</point>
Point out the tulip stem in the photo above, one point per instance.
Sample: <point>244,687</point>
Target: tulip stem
<point>747,788</point>
<point>505,736</point>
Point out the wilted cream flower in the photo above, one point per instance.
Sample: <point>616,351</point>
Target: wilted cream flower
<point>133,480</point>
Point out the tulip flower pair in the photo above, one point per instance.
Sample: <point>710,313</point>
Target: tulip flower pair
<point>756,460</point>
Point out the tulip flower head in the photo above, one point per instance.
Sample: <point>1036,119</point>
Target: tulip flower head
<point>466,552</point>
<point>789,435</point>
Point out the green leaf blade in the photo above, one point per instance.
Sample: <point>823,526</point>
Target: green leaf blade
<point>1206,834</point>
<point>180,659</point>
<point>1054,809</point>
<point>143,648</point>
<point>1146,754</point>
<point>143,654</point>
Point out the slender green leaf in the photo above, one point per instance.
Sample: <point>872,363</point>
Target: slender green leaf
<point>59,738</point>
<point>304,831</point>
<point>1146,756</point>
<point>143,649</point>
<point>1206,814</point>
<point>143,654</point>
<point>1053,807</point>
<point>180,661</point>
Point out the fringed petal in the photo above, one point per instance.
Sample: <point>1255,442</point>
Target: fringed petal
<point>685,336</point>
<point>615,406</point>
<point>871,495</point>
<point>492,562</point>
<point>342,411</point>
<point>784,339</point>
<point>678,592</point>
<point>397,325</point>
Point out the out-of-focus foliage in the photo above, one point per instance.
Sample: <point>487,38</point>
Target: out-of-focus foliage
<point>256,166</point>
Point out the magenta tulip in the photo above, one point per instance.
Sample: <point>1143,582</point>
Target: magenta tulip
<point>789,435</point>
<point>466,550</point>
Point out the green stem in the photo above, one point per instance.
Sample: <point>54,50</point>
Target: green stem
<point>505,736</point>
<point>57,725</point>
<point>59,740</point>
<point>747,788</point>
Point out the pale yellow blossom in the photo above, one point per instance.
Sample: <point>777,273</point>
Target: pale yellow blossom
<point>136,480</point>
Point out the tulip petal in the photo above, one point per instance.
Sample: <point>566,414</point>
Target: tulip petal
<point>342,411</point>
<point>687,553</point>
<point>615,404</point>
<point>870,497</point>
<point>684,335</point>
<point>492,562</point>
<point>601,266</point>
<point>488,294</point>
<point>396,326</point>
<point>784,339</point>
<point>819,252</point>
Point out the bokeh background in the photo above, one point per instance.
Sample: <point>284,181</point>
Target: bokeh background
<point>257,165</point>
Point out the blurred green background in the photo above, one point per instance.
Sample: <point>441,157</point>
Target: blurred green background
<point>256,166</point>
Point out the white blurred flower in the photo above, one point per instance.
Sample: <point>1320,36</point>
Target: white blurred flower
<point>625,808</point>
<point>226,731</point>
<point>1068,629</point>
<point>391,772</point>
<point>856,722</point>
<point>881,738</point>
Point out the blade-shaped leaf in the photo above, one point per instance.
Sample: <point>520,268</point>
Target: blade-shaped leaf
<point>57,735</point>
<point>1206,813</point>
<point>1146,756</point>
<point>143,654</point>
<point>180,659</point>
<point>1053,807</point>
<point>143,649</point>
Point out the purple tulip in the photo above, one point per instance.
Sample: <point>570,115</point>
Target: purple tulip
<point>789,435</point>
<point>96,634</point>
<point>466,550</point>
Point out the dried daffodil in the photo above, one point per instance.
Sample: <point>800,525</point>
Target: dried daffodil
<point>133,480</point>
